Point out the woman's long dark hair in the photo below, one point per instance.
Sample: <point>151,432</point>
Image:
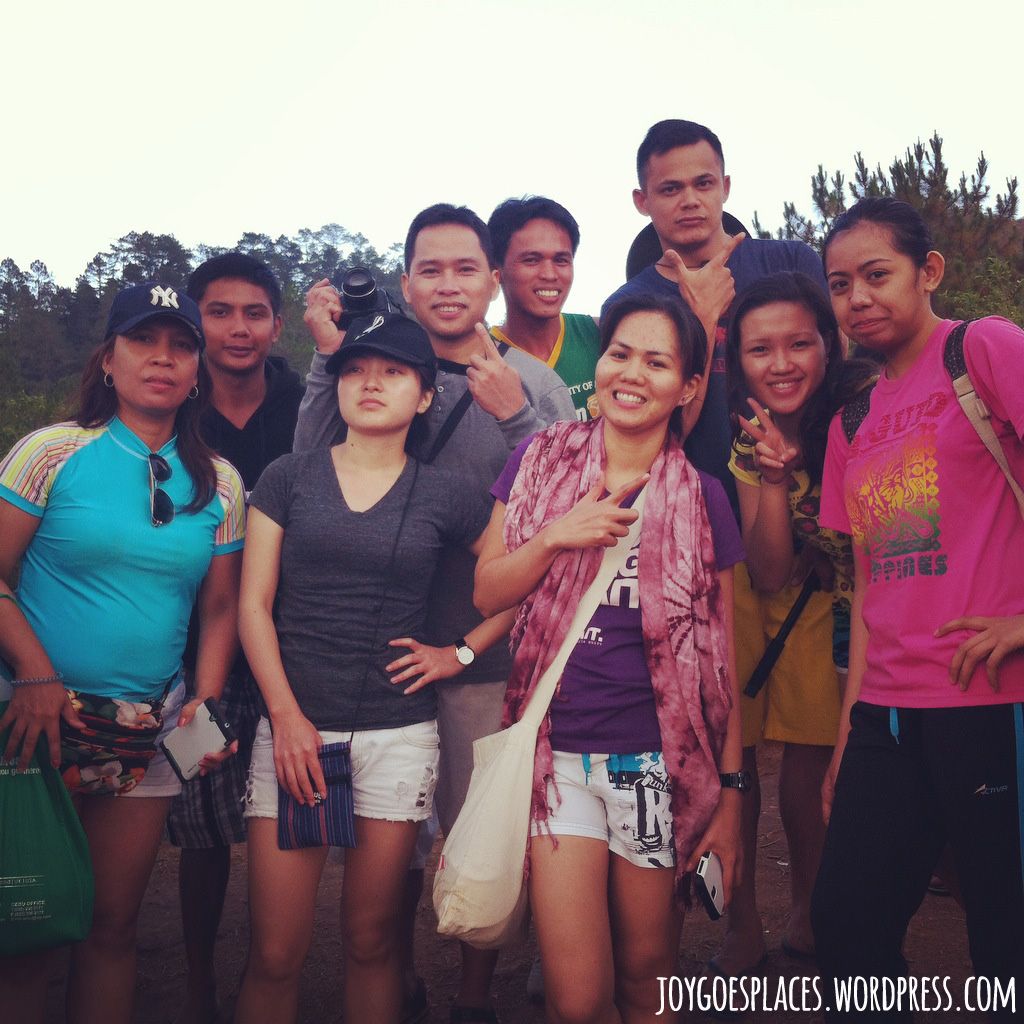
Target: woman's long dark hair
<point>97,404</point>
<point>690,336</point>
<point>843,377</point>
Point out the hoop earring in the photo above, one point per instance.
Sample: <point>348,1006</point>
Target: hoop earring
<point>108,381</point>
<point>194,393</point>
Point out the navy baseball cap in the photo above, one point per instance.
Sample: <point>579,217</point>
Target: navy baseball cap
<point>390,335</point>
<point>133,306</point>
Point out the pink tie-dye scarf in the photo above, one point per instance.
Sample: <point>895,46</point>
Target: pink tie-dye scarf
<point>680,606</point>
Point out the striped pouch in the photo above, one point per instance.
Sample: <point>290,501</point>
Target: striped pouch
<point>331,821</point>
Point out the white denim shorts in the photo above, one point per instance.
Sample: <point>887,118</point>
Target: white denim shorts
<point>620,799</point>
<point>394,772</point>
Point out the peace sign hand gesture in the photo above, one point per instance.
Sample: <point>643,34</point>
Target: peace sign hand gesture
<point>774,457</point>
<point>495,385</point>
<point>709,289</point>
<point>595,521</point>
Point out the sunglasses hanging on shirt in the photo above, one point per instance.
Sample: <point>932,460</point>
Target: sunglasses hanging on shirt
<point>160,504</point>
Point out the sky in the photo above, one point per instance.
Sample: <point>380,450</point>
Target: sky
<point>206,120</point>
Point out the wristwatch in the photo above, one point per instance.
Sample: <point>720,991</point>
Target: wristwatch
<point>464,653</point>
<point>736,780</point>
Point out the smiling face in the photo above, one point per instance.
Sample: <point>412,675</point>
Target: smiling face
<point>782,356</point>
<point>239,325</point>
<point>683,194</point>
<point>449,284</point>
<point>538,269</point>
<point>379,396</point>
<point>881,298</point>
<point>640,378</point>
<point>153,366</point>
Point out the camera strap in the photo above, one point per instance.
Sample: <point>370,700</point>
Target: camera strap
<point>454,418</point>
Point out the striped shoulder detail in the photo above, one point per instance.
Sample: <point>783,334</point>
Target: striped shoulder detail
<point>32,464</point>
<point>231,493</point>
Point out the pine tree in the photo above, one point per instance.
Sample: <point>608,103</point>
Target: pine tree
<point>979,234</point>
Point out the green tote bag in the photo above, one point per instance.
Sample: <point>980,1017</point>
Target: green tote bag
<point>46,887</point>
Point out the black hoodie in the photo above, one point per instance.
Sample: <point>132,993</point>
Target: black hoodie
<point>269,431</point>
<point>266,436</point>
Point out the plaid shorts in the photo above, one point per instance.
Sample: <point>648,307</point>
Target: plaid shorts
<point>208,812</point>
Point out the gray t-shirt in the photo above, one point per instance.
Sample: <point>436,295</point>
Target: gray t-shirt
<point>336,608</point>
<point>475,455</point>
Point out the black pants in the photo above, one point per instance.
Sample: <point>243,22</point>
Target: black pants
<point>912,780</point>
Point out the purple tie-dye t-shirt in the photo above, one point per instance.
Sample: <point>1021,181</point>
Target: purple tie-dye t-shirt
<point>605,701</point>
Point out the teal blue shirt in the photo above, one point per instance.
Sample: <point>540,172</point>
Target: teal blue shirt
<point>108,593</point>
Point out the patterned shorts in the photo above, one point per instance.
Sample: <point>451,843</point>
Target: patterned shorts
<point>208,812</point>
<point>620,799</point>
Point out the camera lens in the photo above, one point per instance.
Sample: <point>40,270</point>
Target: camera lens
<point>358,289</point>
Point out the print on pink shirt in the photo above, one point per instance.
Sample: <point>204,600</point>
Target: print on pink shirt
<point>894,501</point>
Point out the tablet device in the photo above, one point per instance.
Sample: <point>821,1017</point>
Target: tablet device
<point>187,745</point>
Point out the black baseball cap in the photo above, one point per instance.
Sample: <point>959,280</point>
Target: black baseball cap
<point>391,335</point>
<point>133,306</point>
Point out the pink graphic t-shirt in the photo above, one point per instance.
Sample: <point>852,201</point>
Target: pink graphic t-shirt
<point>929,508</point>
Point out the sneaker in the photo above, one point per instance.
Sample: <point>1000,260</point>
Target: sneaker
<point>535,983</point>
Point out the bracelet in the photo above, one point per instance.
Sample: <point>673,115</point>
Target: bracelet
<point>57,677</point>
<point>740,780</point>
<point>9,597</point>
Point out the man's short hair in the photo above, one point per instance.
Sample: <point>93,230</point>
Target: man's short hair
<point>670,134</point>
<point>513,214</point>
<point>446,213</point>
<point>235,264</point>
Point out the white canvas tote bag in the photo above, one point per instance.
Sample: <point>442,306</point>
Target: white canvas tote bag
<point>480,894</point>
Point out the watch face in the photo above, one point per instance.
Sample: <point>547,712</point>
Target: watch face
<point>465,655</point>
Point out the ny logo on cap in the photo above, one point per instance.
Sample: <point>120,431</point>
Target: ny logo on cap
<point>378,321</point>
<point>163,297</point>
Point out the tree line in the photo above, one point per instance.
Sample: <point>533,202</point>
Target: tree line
<point>47,330</point>
<point>978,232</point>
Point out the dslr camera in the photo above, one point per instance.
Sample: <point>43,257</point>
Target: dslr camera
<point>360,296</point>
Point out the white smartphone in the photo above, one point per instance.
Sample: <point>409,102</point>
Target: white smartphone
<point>709,885</point>
<point>187,745</point>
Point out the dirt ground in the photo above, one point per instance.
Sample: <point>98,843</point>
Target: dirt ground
<point>936,944</point>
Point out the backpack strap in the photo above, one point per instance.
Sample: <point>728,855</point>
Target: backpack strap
<point>974,408</point>
<point>853,413</point>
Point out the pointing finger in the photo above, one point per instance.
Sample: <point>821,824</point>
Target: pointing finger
<point>763,415</point>
<point>620,494</point>
<point>671,260</point>
<point>730,247</point>
<point>487,346</point>
<point>755,430</point>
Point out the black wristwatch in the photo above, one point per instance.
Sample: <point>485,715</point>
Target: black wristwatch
<point>464,654</point>
<point>736,780</point>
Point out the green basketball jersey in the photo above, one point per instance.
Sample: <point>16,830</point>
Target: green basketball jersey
<point>573,358</point>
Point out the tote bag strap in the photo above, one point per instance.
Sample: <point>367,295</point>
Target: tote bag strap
<point>613,560</point>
